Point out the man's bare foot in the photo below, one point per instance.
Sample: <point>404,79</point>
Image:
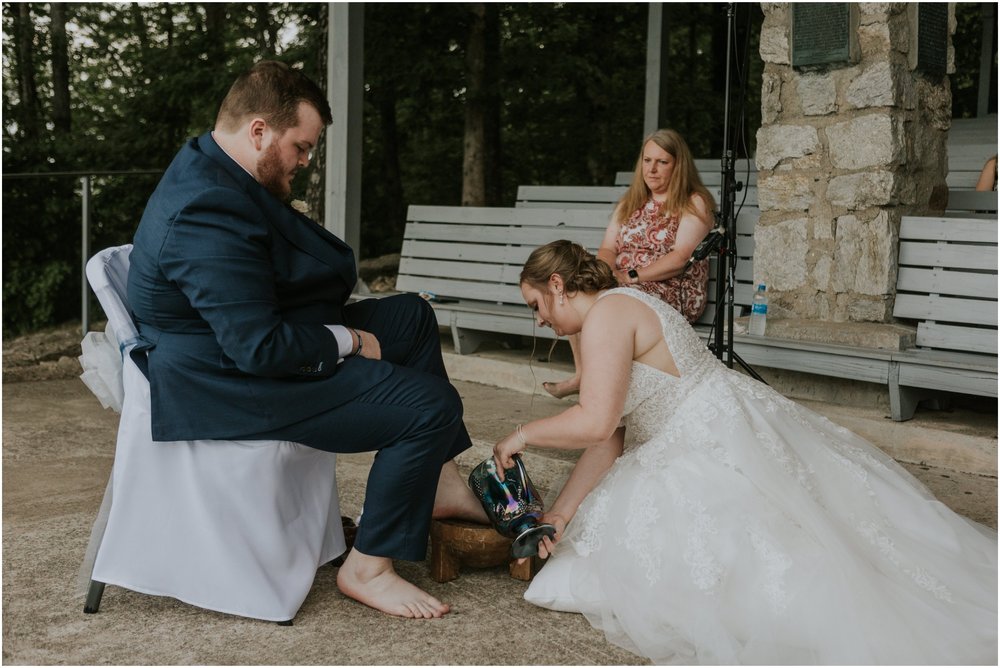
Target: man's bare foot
<point>374,582</point>
<point>563,389</point>
<point>454,499</point>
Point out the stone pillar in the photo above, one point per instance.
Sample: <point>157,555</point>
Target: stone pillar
<point>843,152</point>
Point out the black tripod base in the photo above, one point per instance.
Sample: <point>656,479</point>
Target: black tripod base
<point>731,355</point>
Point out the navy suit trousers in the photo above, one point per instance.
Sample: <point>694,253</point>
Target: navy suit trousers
<point>413,419</point>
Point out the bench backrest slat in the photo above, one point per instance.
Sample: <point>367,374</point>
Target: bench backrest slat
<point>479,291</point>
<point>961,230</point>
<point>521,235</point>
<point>595,196</point>
<point>570,194</point>
<point>972,201</point>
<point>946,309</point>
<point>969,339</point>
<point>922,254</point>
<point>947,281</point>
<point>943,282</point>
<point>483,215</point>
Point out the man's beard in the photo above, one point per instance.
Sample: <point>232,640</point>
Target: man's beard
<point>271,173</point>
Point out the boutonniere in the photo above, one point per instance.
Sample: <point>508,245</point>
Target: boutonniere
<point>299,206</point>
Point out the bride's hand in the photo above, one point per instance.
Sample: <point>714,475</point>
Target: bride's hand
<point>504,451</point>
<point>546,546</point>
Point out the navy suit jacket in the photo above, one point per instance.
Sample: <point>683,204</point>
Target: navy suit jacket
<point>231,289</point>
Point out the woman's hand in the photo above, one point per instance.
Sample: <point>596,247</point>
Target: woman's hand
<point>622,277</point>
<point>547,546</point>
<point>504,451</point>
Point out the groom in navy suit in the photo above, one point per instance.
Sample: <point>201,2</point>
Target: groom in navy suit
<point>242,306</point>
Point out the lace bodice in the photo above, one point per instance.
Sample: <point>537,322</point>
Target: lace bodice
<point>653,394</point>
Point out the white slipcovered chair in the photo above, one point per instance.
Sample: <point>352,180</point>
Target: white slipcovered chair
<point>239,527</point>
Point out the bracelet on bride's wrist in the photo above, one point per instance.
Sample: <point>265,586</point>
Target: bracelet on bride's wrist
<point>520,435</point>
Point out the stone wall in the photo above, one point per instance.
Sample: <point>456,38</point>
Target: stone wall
<point>843,152</point>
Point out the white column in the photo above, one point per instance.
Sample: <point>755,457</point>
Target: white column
<point>345,89</point>
<point>654,68</point>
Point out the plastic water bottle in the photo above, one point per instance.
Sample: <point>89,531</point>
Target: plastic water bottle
<point>758,313</point>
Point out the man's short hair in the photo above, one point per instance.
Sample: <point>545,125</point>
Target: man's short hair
<point>271,90</point>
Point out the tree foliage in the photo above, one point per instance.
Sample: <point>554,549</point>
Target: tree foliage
<point>968,39</point>
<point>107,87</point>
<point>483,97</point>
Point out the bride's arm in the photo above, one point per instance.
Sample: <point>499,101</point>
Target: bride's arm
<point>589,470</point>
<point>607,344</point>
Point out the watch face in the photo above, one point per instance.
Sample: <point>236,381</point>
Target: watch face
<point>633,274</point>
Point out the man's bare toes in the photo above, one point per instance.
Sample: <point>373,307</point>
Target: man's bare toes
<point>389,593</point>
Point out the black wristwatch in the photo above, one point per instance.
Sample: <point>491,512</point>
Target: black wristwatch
<point>633,275</point>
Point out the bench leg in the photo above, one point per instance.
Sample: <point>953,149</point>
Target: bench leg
<point>466,340</point>
<point>94,594</point>
<point>902,400</point>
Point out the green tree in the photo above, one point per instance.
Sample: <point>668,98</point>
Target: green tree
<point>968,40</point>
<point>112,86</point>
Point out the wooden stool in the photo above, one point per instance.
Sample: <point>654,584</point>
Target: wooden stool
<point>455,543</point>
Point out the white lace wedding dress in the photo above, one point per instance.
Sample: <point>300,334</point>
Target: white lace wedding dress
<point>740,527</point>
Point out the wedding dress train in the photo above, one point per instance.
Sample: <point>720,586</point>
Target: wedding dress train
<point>740,527</point>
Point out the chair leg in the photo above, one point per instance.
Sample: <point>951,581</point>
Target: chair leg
<point>94,594</point>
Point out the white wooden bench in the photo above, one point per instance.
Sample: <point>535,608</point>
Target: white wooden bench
<point>470,259</point>
<point>971,142</point>
<point>972,204</point>
<point>947,284</point>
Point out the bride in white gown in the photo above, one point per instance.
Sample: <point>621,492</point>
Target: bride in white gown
<point>711,520</point>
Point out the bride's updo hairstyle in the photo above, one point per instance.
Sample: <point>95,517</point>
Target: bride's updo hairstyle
<point>580,271</point>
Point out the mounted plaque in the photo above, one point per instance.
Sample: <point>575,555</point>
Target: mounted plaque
<point>932,38</point>
<point>822,33</point>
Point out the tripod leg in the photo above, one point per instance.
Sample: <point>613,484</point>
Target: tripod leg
<point>746,367</point>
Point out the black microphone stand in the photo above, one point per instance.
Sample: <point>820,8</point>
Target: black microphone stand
<point>725,279</point>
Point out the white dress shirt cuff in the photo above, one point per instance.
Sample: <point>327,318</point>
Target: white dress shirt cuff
<point>345,339</point>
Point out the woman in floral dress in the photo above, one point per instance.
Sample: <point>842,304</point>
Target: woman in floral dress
<point>655,227</point>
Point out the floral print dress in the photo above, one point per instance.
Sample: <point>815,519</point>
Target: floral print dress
<point>646,236</point>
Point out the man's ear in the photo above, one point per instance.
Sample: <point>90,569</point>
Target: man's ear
<point>258,132</point>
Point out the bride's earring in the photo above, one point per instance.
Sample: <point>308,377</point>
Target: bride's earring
<point>561,299</point>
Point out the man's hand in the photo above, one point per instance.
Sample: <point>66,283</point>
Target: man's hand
<point>370,347</point>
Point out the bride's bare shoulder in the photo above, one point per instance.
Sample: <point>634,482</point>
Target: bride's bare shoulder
<point>619,304</point>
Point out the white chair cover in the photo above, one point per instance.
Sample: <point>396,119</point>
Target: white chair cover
<point>234,526</point>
